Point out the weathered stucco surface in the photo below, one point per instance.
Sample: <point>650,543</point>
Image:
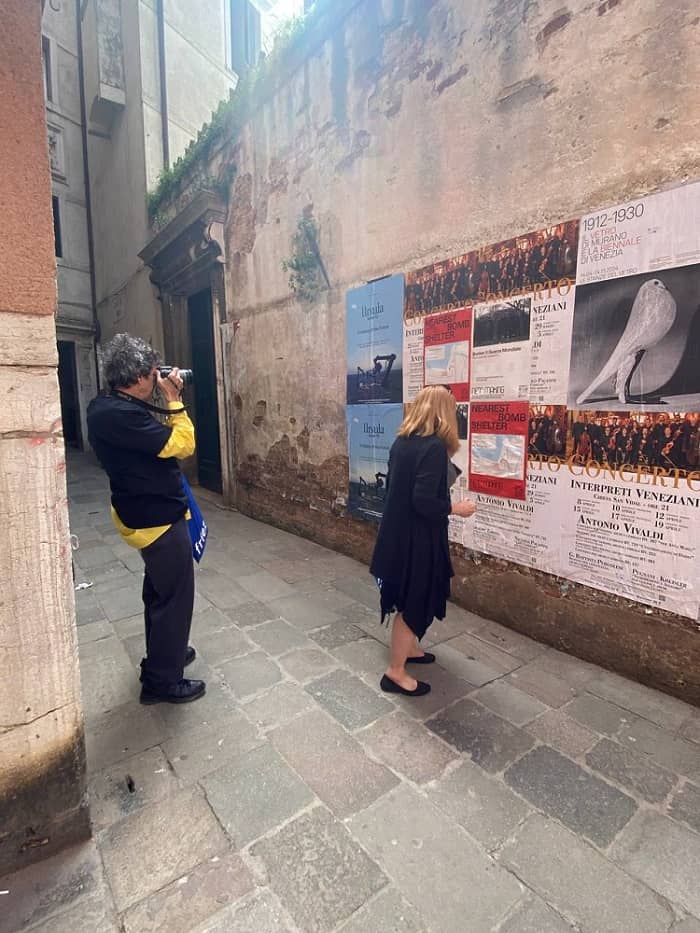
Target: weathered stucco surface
<point>415,130</point>
<point>42,761</point>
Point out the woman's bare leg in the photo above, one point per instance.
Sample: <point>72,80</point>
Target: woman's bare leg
<point>403,642</point>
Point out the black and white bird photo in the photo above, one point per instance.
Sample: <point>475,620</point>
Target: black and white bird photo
<point>636,342</point>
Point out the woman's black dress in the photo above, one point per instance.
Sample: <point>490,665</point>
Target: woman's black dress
<point>411,558</point>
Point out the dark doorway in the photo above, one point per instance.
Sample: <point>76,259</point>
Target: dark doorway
<point>70,396</point>
<point>206,408</point>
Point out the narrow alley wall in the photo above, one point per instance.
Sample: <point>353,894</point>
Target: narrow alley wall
<point>42,759</point>
<point>415,131</point>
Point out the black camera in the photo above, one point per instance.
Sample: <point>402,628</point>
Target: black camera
<point>186,375</point>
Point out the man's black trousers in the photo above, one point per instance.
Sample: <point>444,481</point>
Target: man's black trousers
<point>168,599</point>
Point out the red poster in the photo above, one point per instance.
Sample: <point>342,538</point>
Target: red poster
<point>448,340</point>
<point>498,448</point>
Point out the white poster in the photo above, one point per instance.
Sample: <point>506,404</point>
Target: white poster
<point>413,358</point>
<point>501,350</point>
<point>523,532</point>
<point>656,232</point>
<point>635,534</point>
<point>551,324</point>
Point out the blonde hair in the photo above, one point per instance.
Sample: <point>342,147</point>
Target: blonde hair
<point>433,411</point>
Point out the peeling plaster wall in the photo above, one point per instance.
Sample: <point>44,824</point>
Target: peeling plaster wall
<point>42,759</point>
<point>418,130</point>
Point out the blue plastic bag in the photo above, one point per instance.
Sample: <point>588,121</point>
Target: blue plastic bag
<point>196,525</point>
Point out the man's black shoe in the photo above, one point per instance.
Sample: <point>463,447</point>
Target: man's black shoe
<point>184,692</point>
<point>190,655</point>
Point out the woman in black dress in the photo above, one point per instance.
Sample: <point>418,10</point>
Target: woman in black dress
<point>411,559</point>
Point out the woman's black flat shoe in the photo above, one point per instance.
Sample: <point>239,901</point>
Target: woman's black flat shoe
<point>426,658</point>
<point>390,686</point>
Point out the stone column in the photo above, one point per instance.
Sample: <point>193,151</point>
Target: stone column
<point>42,758</point>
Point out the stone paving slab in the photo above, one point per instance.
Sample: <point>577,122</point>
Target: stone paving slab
<point>691,727</point>
<point>307,663</point>
<point>597,714</point>
<point>492,742</point>
<point>388,912</point>
<point>261,913</point>
<point>249,674</point>
<point>483,805</point>
<point>336,634</point>
<point>348,700</point>
<point>543,685</point>
<point>365,656</point>
<point>278,706</point>
<point>153,847</point>
<point>222,644</point>
<point>664,855</point>
<point>474,661</point>
<point>406,746</point>
<point>534,916</point>
<point>254,794</point>
<point>561,788</point>
<point>48,889</point>
<point>122,732</point>
<point>320,891</point>
<point>445,689</point>
<point>332,763</point>
<point>659,708</point>
<point>95,914</point>
<point>580,883</point>
<point>305,612</point>
<point>633,771</point>
<point>190,900</point>
<point>664,748</point>
<point>410,837</point>
<point>560,731</point>
<point>685,806</point>
<point>251,613</point>
<point>132,784</point>
<point>202,750</point>
<point>278,637</point>
<point>509,702</point>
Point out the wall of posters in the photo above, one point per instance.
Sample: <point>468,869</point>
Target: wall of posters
<point>574,354</point>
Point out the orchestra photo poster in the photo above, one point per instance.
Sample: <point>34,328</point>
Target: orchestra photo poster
<point>447,351</point>
<point>374,342</point>
<point>498,448</point>
<point>371,432</point>
<point>512,267</point>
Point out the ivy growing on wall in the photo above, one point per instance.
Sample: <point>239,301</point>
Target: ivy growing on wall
<point>231,115</point>
<point>305,266</point>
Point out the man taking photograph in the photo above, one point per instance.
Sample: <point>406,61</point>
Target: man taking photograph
<point>149,504</point>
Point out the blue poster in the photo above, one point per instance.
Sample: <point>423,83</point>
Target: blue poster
<point>374,327</point>
<point>371,432</point>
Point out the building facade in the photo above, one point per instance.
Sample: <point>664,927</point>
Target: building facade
<point>151,73</point>
<point>42,758</point>
<point>75,324</point>
<point>393,137</point>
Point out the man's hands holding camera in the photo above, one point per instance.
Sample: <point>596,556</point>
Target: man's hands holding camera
<point>170,387</point>
<point>464,509</point>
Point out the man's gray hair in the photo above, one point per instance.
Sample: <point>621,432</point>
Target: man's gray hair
<point>125,359</point>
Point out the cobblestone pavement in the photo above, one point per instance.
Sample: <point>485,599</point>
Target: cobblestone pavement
<point>528,793</point>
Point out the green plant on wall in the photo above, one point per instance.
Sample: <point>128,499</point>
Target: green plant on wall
<point>304,266</point>
<point>232,113</point>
